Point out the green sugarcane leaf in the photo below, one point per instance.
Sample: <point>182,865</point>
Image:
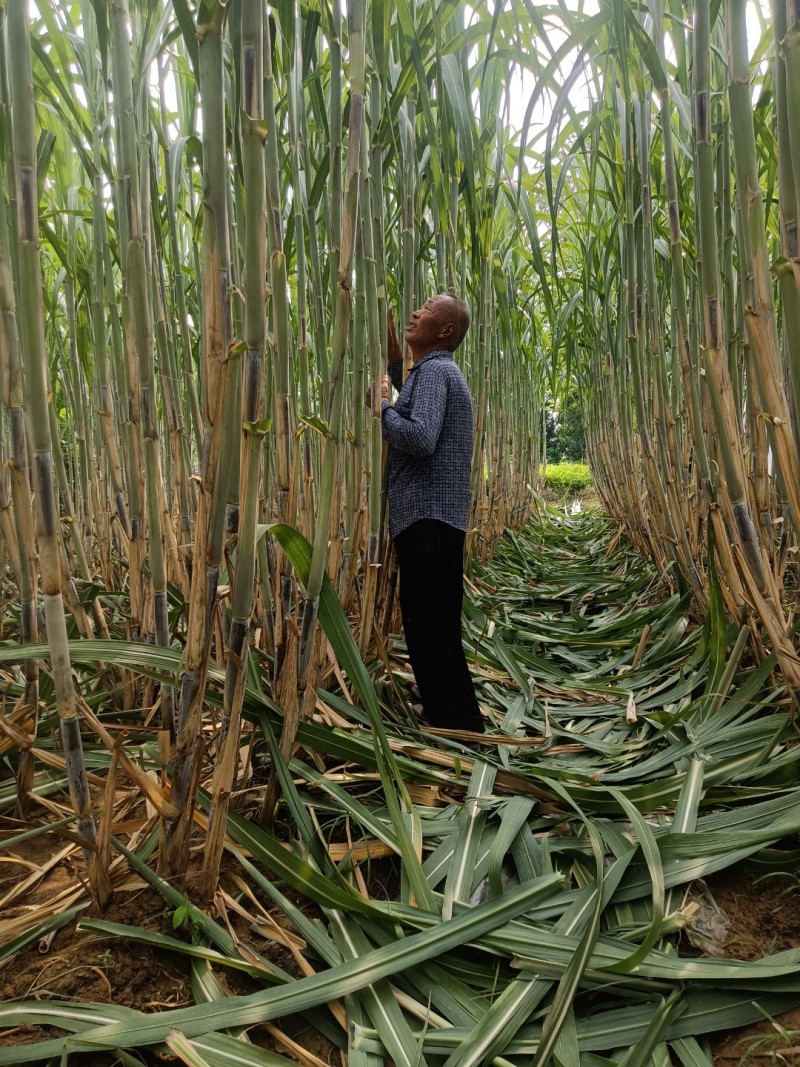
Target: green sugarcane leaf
<point>461,871</point>
<point>560,1014</point>
<point>350,976</point>
<point>337,630</point>
<point>185,1050</point>
<point>690,1053</point>
<point>640,1054</point>
<point>378,999</point>
<point>288,867</point>
<point>650,850</point>
<point>513,819</point>
<point>159,941</point>
<point>219,1050</point>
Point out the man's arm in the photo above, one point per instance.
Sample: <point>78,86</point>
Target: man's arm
<point>394,353</point>
<point>395,369</point>
<point>418,433</point>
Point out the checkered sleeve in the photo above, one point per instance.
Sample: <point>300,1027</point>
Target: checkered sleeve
<point>418,433</point>
<point>395,370</point>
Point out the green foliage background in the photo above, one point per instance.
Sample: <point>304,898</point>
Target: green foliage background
<point>564,433</point>
<point>567,477</point>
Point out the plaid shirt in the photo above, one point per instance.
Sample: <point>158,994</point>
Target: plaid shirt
<point>430,430</point>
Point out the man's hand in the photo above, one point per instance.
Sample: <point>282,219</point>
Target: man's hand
<point>384,392</point>
<point>393,349</point>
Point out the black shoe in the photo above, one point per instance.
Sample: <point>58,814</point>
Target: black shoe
<point>474,726</point>
<point>420,716</point>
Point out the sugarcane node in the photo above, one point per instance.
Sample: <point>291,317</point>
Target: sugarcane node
<point>255,126</point>
<point>77,839</point>
<point>259,429</point>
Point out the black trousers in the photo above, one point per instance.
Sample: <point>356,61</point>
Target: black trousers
<point>431,558</point>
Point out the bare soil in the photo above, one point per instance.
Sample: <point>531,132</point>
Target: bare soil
<point>82,966</point>
<point>764,916</point>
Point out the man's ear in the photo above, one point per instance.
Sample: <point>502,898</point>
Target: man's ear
<point>447,330</point>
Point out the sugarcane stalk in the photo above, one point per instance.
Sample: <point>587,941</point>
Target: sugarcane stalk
<point>211,488</point>
<point>760,316</point>
<point>408,142</point>
<point>355,410</point>
<point>32,347</point>
<point>685,349</point>
<point>19,533</point>
<point>787,269</point>
<point>171,188</point>
<point>253,430</point>
<point>335,159</point>
<point>118,386</point>
<point>376,325</point>
<point>105,392</point>
<point>760,312</point>
<point>356,24</point>
<point>669,497</point>
<point>480,383</point>
<point>177,455</point>
<point>297,136</point>
<point>135,178</point>
<point>789,49</point>
<point>81,512</point>
<point>728,430</point>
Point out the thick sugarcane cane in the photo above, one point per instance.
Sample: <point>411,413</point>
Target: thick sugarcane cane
<point>253,431</point>
<point>215,409</point>
<point>48,533</point>
<point>356,24</point>
<point>22,536</point>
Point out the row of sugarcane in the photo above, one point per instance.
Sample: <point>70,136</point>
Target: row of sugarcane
<point>682,190</point>
<point>204,222</point>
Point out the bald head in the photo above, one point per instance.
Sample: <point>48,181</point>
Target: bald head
<point>455,311</point>
<point>441,322</point>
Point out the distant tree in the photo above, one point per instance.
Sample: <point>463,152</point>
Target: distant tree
<point>564,437</point>
<point>572,441</point>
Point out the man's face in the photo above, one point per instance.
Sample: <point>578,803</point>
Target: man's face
<point>428,323</point>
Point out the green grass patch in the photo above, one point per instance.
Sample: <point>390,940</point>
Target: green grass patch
<point>567,477</point>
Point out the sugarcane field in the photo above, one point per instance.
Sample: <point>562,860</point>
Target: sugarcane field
<point>399,533</point>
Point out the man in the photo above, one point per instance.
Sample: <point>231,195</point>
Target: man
<point>429,429</point>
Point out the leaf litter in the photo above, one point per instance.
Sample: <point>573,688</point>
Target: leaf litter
<point>538,896</point>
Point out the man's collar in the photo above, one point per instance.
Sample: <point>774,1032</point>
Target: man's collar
<point>438,353</point>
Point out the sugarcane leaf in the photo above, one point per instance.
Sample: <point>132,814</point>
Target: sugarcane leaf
<point>220,1050</point>
<point>461,870</point>
<point>337,630</point>
<point>188,29</point>
<point>288,867</point>
<point>378,1000</point>
<point>650,850</point>
<point>560,1013</point>
<point>185,1050</point>
<point>158,940</point>
<point>318,989</point>
<point>640,1054</point>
